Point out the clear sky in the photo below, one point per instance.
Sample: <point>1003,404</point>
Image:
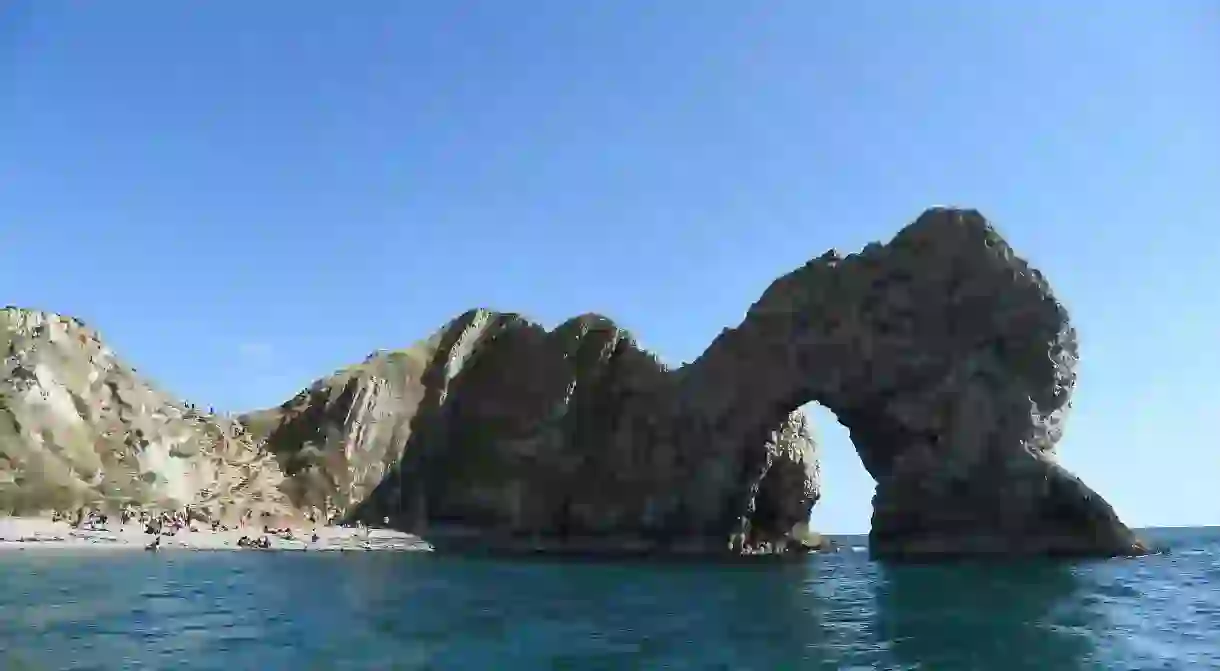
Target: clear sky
<point>245,196</point>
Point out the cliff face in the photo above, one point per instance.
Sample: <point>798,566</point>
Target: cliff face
<point>338,439</point>
<point>79,427</point>
<point>498,427</point>
<point>946,356</point>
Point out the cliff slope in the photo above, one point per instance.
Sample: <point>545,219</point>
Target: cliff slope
<point>80,427</point>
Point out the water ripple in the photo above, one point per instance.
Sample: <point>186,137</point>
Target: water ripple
<point>368,611</point>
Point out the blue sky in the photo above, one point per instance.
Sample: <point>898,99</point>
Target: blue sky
<point>245,196</point>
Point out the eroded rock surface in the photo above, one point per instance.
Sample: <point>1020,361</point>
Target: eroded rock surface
<point>951,363</point>
<point>946,356</point>
<point>78,427</point>
<point>565,439</point>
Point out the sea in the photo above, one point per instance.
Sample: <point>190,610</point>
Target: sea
<point>237,611</point>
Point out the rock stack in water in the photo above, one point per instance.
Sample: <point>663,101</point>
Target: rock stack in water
<point>946,356</point>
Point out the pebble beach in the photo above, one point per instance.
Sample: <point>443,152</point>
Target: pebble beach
<point>33,533</point>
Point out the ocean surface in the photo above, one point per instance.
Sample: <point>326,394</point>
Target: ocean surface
<point>261,611</point>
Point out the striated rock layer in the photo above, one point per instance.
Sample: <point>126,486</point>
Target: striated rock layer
<point>78,427</point>
<point>521,437</point>
<point>945,355</point>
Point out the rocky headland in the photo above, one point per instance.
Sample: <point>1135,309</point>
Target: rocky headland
<point>946,356</point>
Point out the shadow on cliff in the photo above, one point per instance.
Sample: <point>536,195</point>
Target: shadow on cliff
<point>971,616</point>
<point>401,496</point>
<point>946,356</point>
<point>489,465</point>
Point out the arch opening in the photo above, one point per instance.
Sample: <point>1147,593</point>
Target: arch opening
<point>844,504</point>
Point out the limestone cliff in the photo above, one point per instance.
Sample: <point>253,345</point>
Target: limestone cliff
<point>341,437</point>
<point>951,363</point>
<point>498,426</point>
<point>946,356</point>
<point>79,427</point>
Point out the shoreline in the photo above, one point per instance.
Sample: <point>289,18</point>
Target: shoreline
<point>32,533</point>
<point>18,534</point>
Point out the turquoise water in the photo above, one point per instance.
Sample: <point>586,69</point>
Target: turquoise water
<point>237,611</point>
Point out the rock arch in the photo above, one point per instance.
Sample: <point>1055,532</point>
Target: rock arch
<point>945,355</point>
<point>951,364</point>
